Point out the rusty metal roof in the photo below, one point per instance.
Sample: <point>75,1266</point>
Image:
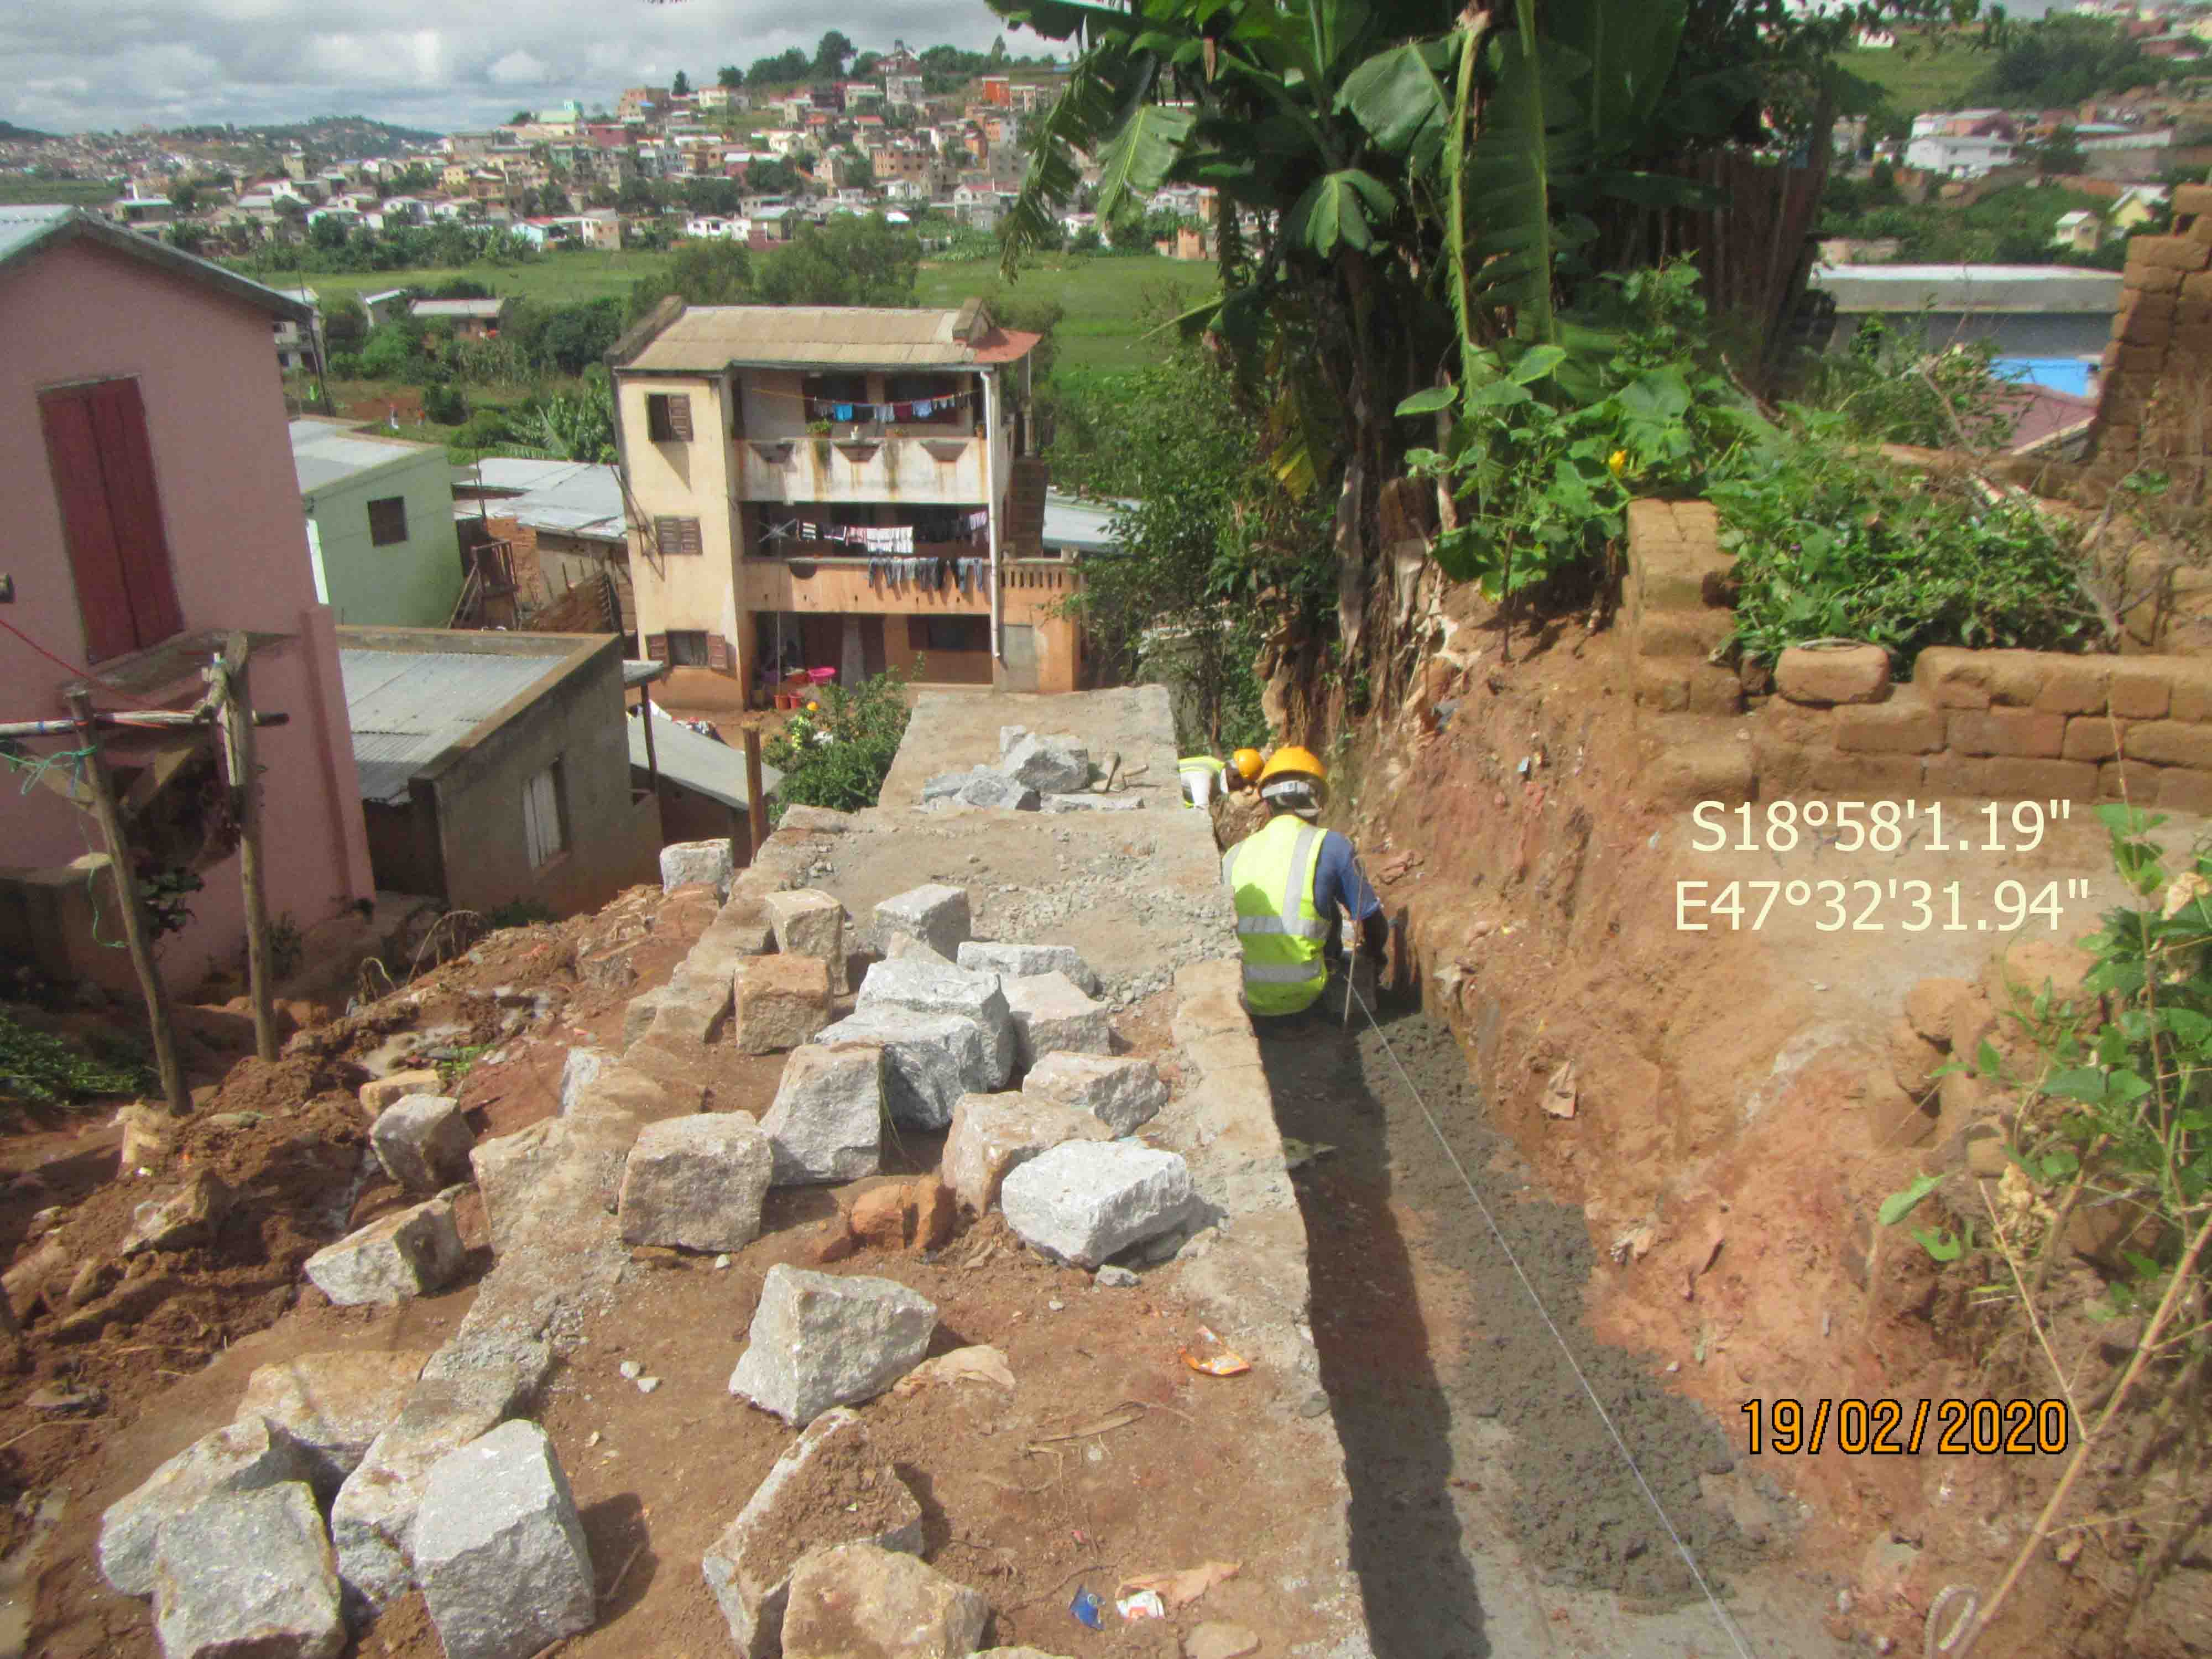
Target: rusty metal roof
<point>708,338</point>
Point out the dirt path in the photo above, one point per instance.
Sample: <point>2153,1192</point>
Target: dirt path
<point>1459,1414</point>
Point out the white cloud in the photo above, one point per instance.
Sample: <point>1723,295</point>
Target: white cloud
<point>439,64</point>
<point>518,69</point>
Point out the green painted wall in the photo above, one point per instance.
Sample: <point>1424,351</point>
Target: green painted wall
<point>410,584</point>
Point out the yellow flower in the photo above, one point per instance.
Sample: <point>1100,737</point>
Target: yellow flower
<point>813,707</point>
<point>1617,463</point>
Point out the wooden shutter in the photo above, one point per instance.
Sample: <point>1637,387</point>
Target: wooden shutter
<point>665,536</point>
<point>718,654</point>
<point>541,817</point>
<point>102,464</point>
<point>656,647</point>
<point>676,535</point>
<point>679,416</point>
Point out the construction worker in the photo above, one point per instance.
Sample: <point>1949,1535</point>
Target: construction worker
<point>1240,811</point>
<point>1290,880</point>
<point>1201,773</point>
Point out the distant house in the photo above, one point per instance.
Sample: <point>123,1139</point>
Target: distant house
<point>300,345</point>
<point>153,510</point>
<point>2079,231</point>
<point>1959,157</point>
<point>700,782</point>
<point>140,212</point>
<point>564,525</point>
<point>493,767</point>
<point>906,531</point>
<point>383,306</point>
<point>379,524</point>
<point>469,319</point>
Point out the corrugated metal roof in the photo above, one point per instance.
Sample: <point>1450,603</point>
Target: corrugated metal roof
<point>710,338</point>
<point>325,452</point>
<point>581,498</point>
<point>408,708</point>
<point>1086,527</point>
<point>457,308</point>
<point>697,763</point>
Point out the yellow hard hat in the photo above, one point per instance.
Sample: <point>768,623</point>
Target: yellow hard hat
<point>1291,761</point>
<point>1247,762</point>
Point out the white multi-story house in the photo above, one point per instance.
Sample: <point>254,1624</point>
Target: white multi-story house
<point>1959,158</point>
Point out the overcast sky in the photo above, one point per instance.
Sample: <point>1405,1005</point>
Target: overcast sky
<point>77,65</point>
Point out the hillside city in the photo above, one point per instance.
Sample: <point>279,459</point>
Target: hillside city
<point>741,156</point>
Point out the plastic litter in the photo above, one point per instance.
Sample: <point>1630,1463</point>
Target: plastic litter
<point>1145,1604</point>
<point>1214,1357</point>
<point>1088,1609</point>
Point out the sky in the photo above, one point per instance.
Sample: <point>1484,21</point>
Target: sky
<point>85,65</point>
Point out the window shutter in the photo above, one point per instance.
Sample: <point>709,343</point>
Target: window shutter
<point>687,535</point>
<point>665,536</point>
<point>103,466</point>
<point>656,647</point>
<point>679,417</point>
<point>718,652</point>
<point>126,461</point>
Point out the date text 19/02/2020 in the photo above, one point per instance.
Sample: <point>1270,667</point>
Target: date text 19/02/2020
<point>1894,1428</point>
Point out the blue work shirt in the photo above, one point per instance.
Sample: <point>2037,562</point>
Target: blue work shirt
<point>1338,880</point>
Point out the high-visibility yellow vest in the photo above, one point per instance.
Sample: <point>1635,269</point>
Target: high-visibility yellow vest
<point>1190,768</point>
<point>1271,875</point>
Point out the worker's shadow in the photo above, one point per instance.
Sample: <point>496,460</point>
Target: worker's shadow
<point>1390,1407</point>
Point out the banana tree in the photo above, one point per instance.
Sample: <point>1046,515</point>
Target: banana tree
<point>1419,174</point>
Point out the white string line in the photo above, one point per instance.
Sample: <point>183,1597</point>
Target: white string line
<point>1727,1624</point>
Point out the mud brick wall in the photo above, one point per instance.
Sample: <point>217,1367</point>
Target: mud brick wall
<point>2004,725</point>
<point>1679,603</point>
<point>1996,725</point>
<point>2152,407</point>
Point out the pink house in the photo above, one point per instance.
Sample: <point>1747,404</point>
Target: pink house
<point>146,460</point>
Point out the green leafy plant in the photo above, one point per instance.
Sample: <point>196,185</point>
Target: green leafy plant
<point>458,1063</point>
<point>1547,449</point>
<point>162,894</point>
<point>288,946</point>
<point>518,913</point>
<point>1892,385</point>
<point>39,1066</point>
<point>838,753</point>
<point>1834,543</point>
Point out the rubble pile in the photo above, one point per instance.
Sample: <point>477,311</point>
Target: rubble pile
<point>346,1479</point>
<point>1035,774</point>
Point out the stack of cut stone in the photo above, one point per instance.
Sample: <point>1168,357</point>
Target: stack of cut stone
<point>1034,773</point>
<point>347,1478</point>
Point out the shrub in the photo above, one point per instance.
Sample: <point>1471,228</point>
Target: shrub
<point>35,1066</point>
<point>838,753</point>
<point>1831,544</point>
<point>442,402</point>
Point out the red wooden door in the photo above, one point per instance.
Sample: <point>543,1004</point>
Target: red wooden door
<point>103,470</point>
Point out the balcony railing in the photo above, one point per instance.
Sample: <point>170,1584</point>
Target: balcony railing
<point>864,586</point>
<point>941,466</point>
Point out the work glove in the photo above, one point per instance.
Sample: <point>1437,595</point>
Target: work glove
<point>1375,940</point>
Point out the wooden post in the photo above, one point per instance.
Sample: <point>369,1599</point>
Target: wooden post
<point>645,713</point>
<point>235,710</point>
<point>134,921</point>
<point>756,797</point>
